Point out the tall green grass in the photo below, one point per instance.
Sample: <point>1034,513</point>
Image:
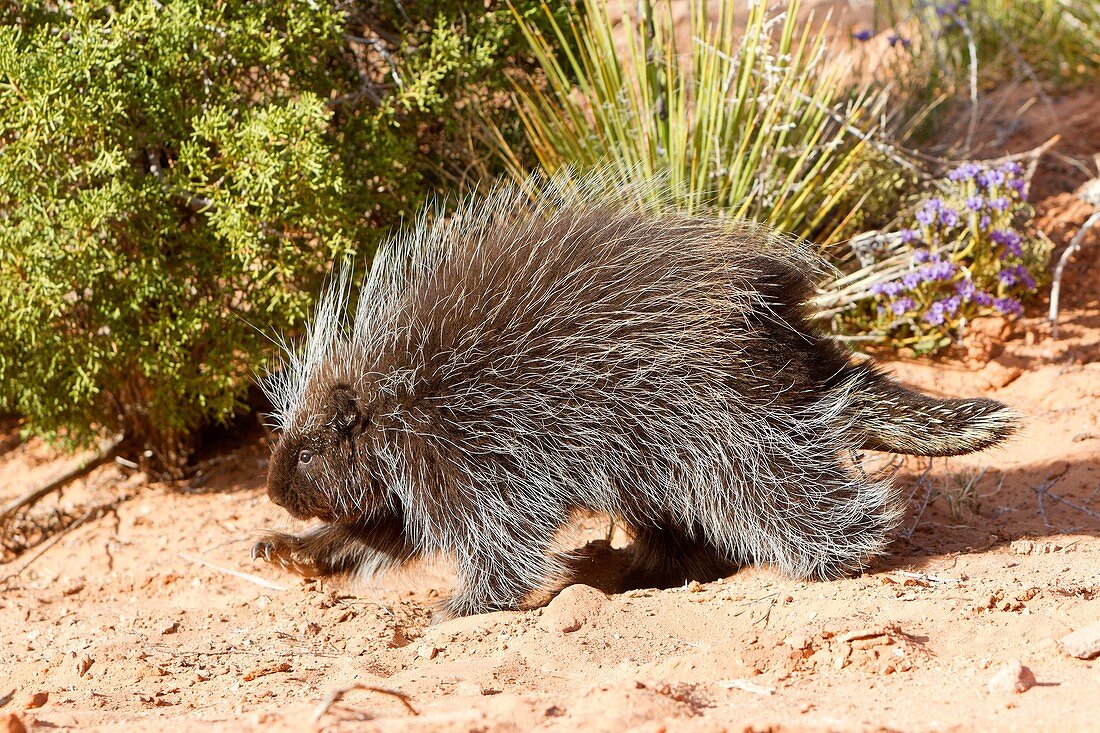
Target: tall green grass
<point>754,118</point>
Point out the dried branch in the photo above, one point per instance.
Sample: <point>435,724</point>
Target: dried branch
<point>334,697</point>
<point>262,582</point>
<point>1056,282</point>
<point>103,454</point>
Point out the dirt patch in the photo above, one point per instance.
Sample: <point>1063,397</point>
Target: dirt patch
<point>136,618</point>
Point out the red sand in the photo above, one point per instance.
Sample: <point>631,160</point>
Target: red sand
<point>119,625</point>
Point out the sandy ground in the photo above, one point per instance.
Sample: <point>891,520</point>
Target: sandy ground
<point>135,618</point>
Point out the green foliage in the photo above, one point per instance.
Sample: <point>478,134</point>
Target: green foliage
<point>168,166</point>
<point>757,122</point>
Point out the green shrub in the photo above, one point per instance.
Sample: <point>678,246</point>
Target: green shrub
<point>756,121</point>
<point>175,178</point>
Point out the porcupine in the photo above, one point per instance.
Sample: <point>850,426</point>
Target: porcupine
<point>513,363</point>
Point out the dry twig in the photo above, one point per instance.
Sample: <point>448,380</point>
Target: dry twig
<point>1056,282</point>
<point>103,454</point>
<point>334,697</point>
<point>93,513</point>
<point>1043,492</point>
<point>262,582</point>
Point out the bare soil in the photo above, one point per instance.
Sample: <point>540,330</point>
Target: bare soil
<point>134,616</point>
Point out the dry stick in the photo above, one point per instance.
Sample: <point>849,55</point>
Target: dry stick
<point>1044,490</point>
<point>1056,283</point>
<point>334,697</point>
<point>103,454</point>
<point>262,582</point>
<point>90,514</point>
<point>972,51</point>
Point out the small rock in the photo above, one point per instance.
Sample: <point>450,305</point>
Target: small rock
<point>37,700</point>
<point>427,651</point>
<point>84,665</point>
<point>1011,677</point>
<point>572,608</point>
<point>73,587</point>
<point>1023,547</point>
<point>1083,643</point>
<point>171,628</point>
<point>15,725</point>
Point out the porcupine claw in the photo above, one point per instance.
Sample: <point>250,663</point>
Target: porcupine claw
<point>281,551</point>
<point>262,550</point>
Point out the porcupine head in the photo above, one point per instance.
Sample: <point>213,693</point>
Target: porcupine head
<point>323,464</point>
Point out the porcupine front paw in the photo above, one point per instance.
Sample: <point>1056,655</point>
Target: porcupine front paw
<point>284,551</point>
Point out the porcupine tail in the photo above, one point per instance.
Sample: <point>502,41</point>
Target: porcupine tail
<point>896,419</point>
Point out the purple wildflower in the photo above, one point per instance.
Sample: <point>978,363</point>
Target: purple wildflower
<point>909,235</point>
<point>966,171</point>
<point>1012,168</point>
<point>974,203</point>
<point>1017,274</point>
<point>965,288</point>
<point>1008,306</point>
<point>891,289</point>
<point>981,297</point>
<point>1008,239</point>
<point>901,305</point>
<point>934,314</point>
<point>921,256</point>
<point>999,203</point>
<point>994,178</point>
<point>895,40</point>
<point>944,270</point>
<point>984,222</point>
<point>949,216</point>
<point>911,280</point>
<point>1017,185</point>
<point>864,35</point>
<point>927,213</point>
<point>1025,277</point>
<point>951,305</point>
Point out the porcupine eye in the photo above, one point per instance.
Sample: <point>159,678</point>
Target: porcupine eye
<point>305,457</point>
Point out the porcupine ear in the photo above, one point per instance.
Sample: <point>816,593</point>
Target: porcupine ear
<point>345,408</point>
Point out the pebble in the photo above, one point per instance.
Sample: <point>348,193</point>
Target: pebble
<point>1083,643</point>
<point>572,608</point>
<point>36,700</point>
<point>15,725</point>
<point>1011,677</point>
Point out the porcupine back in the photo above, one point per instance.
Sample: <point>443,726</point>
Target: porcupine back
<point>522,361</point>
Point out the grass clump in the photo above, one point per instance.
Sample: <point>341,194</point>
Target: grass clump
<point>754,121</point>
